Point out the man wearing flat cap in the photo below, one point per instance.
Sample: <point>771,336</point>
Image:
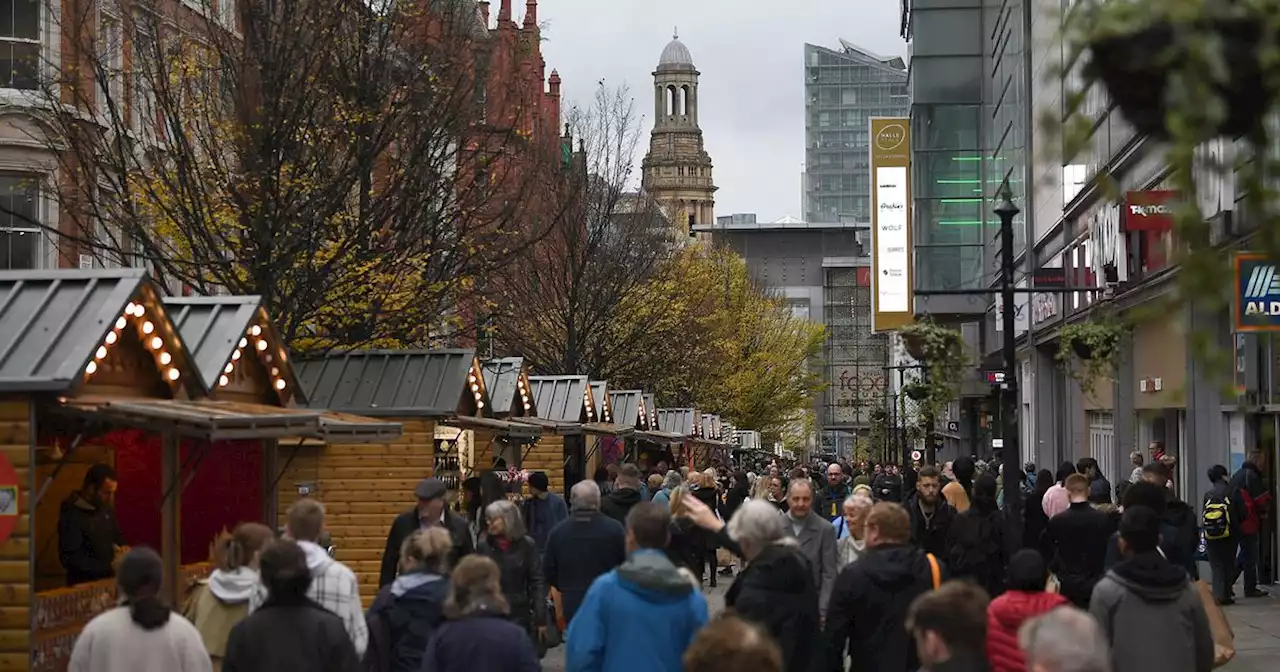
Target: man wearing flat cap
<point>432,510</point>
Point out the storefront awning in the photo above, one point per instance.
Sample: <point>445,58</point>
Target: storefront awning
<point>661,438</point>
<point>552,426</point>
<point>227,420</point>
<point>505,428</point>
<point>607,428</point>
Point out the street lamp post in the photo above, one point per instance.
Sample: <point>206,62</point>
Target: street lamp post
<point>1011,451</point>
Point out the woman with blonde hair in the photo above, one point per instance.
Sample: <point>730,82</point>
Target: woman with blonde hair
<point>704,489</point>
<point>688,544</point>
<point>216,604</point>
<point>478,637</point>
<point>520,564</point>
<point>406,613</point>
<point>760,489</point>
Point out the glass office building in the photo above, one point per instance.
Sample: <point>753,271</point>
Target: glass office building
<point>843,89</point>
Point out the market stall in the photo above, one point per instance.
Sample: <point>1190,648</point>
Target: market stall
<point>93,370</point>
<point>500,443</point>
<point>365,487</point>
<point>606,439</point>
<point>563,405</point>
<point>685,422</point>
<point>710,440</point>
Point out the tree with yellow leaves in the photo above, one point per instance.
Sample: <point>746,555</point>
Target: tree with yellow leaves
<point>358,163</point>
<point>715,339</point>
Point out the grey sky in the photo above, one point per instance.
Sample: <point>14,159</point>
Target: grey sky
<point>750,54</point>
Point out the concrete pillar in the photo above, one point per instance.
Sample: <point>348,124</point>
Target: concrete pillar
<point>1207,440</point>
<point>1125,417</point>
<point>1045,408</point>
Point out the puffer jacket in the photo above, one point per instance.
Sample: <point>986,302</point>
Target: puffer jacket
<point>402,620</point>
<point>1005,615</point>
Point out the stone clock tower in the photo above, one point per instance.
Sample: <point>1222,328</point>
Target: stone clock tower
<point>677,169</point>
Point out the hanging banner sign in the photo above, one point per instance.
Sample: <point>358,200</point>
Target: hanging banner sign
<point>892,296</point>
<point>1257,299</point>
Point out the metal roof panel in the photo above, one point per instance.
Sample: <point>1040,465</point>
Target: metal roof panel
<point>428,383</point>
<point>502,379</point>
<point>625,405</point>
<point>560,398</point>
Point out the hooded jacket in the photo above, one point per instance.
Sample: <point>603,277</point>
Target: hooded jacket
<point>1153,618</point>
<point>217,604</point>
<point>334,587</point>
<point>776,591</point>
<point>402,619</point>
<point>289,635</point>
<point>640,616</point>
<point>1005,615</point>
<point>869,605</point>
<point>481,641</point>
<point>930,534</point>
<point>617,504</point>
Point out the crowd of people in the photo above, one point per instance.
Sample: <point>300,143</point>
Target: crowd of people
<point>834,567</point>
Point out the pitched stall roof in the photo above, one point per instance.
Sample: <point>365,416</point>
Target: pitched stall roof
<point>508,385</point>
<point>218,330</point>
<point>600,400</point>
<point>682,421</point>
<point>561,399</point>
<point>394,383</point>
<point>651,408</point>
<point>626,406</point>
<point>56,325</point>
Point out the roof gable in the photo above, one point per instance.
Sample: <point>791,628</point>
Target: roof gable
<point>507,383</point>
<point>561,398</point>
<point>600,404</point>
<point>683,421</point>
<point>627,408</point>
<point>219,331</point>
<point>394,383</point>
<point>57,327</point>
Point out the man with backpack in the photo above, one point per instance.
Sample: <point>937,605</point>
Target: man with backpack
<point>1252,491</point>
<point>1220,521</point>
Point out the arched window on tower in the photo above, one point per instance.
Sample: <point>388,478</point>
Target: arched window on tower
<point>685,109</point>
<point>672,101</point>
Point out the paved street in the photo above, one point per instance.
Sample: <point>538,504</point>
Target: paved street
<point>1256,623</point>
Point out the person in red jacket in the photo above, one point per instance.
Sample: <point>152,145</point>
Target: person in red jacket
<point>1025,599</point>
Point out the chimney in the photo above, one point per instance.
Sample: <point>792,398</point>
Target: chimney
<point>504,11</point>
<point>484,12</point>
<point>530,13</point>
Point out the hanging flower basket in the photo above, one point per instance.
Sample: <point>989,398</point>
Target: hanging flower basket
<point>1096,347</point>
<point>916,391</point>
<point>1082,349</point>
<point>1138,67</point>
<point>914,345</point>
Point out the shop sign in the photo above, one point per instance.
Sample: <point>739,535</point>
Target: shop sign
<point>1021,317</point>
<point>1043,307</point>
<point>1150,210</point>
<point>892,299</point>
<point>1257,293</point>
<point>1048,278</point>
<point>854,391</point>
<point>9,505</point>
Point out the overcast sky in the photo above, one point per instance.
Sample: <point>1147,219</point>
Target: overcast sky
<point>751,56</point>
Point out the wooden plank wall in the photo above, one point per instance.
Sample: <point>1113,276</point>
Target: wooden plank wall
<point>548,455</point>
<point>15,554</point>
<point>363,487</point>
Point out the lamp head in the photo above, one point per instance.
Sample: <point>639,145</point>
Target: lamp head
<point>1006,208</point>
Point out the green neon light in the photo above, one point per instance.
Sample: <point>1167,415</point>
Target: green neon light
<point>966,158</point>
<point>957,181</point>
<point>960,200</point>
<point>960,222</point>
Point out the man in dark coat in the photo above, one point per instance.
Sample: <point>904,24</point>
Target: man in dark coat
<point>887,487</point>
<point>872,596</point>
<point>89,536</point>
<point>289,631</point>
<point>930,513</point>
<point>582,548</point>
<point>431,510</point>
<point>543,511</point>
<point>1079,538</point>
<point>626,494</point>
<point>1252,491</point>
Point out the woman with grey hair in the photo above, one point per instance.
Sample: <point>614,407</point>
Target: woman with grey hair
<point>670,482</point>
<point>775,590</point>
<point>521,569</point>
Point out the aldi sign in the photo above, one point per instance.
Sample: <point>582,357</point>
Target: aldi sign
<point>1257,293</point>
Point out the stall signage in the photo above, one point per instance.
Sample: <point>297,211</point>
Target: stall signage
<point>9,504</point>
<point>1257,293</point>
<point>1149,210</point>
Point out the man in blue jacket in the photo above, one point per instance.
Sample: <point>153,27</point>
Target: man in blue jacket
<point>642,615</point>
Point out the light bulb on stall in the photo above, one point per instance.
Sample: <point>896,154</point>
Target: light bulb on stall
<point>147,327</point>
<point>101,353</point>
<point>139,311</point>
<point>280,384</point>
<point>165,358</point>
<point>262,345</point>
<point>121,323</point>
<point>128,309</point>
<point>244,342</point>
<point>112,338</point>
<point>235,356</point>
<point>173,374</point>
<point>256,330</point>
<point>156,343</point>
<point>229,368</point>
<point>90,368</point>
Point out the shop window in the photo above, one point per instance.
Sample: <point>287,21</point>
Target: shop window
<point>19,44</point>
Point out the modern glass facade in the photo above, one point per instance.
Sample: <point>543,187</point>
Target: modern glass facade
<point>949,176</point>
<point>843,89</point>
<point>856,358</point>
